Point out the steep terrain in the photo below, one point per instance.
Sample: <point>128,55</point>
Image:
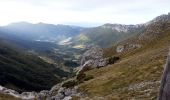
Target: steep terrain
<point>140,52</point>
<point>137,75</point>
<point>107,34</point>
<point>25,71</point>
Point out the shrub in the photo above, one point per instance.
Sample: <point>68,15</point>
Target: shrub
<point>69,84</point>
<point>113,59</point>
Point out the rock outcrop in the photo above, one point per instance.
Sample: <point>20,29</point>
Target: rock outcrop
<point>56,93</point>
<point>92,58</point>
<point>164,93</point>
<point>156,28</point>
<point>24,95</point>
<point>127,46</point>
<point>120,27</point>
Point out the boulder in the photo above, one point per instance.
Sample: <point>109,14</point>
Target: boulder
<point>120,48</point>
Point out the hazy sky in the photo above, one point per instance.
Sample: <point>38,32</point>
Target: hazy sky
<point>82,12</point>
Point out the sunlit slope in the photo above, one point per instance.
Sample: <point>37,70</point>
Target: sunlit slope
<point>137,75</point>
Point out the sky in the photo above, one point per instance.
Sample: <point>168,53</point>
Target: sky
<point>82,12</point>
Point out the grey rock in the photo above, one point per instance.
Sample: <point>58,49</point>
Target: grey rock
<point>43,94</point>
<point>59,96</point>
<point>126,47</point>
<point>28,95</point>
<point>120,48</point>
<point>94,52</point>
<point>61,90</point>
<point>24,95</point>
<point>164,93</point>
<point>92,58</point>
<point>57,92</point>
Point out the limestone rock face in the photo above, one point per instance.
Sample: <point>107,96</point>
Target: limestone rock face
<point>92,53</point>
<point>164,93</point>
<point>126,47</point>
<point>92,58</point>
<point>156,28</point>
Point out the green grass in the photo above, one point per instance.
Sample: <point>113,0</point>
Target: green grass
<point>136,66</point>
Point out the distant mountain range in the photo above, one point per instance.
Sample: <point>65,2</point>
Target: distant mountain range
<point>41,31</point>
<point>71,35</point>
<point>104,36</point>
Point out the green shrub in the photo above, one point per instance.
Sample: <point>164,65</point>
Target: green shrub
<point>69,84</point>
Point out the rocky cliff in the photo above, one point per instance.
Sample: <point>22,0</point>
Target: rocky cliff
<point>164,93</point>
<point>94,58</point>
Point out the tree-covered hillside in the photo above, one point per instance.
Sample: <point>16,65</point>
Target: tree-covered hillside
<point>22,71</point>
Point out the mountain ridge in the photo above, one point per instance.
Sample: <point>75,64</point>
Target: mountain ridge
<point>136,75</point>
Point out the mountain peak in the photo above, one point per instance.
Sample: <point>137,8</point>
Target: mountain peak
<point>119,27</point>
<point>162,18</point>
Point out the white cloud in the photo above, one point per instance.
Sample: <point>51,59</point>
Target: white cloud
<point>81,11</point>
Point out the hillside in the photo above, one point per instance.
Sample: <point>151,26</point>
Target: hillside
<point>107,34</point>
<point>129,69</point>
<point>73,36</point>
<point>41,31</point>
<point>138,72</point>
<point>23,71</point>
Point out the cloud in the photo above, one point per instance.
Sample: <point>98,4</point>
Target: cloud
<point>82,11</point>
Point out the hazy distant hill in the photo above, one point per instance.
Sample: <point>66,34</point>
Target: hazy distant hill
<point>103,36</point>
<point>41,31</point>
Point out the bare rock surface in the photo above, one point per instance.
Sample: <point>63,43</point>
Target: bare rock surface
<point>92,58</point>
<point>126,47</point>
<point>164,93</point>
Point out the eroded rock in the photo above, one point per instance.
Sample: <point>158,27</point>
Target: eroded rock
<point>126,47</point>
<point>164,93</point>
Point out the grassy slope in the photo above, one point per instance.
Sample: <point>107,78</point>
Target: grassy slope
<point>140,69</point>
<point>104,37</point>
<point>7,97</point>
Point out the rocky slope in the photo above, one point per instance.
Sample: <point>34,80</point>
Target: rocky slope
<point>57,92</point>
<point>138,72</point>
<point>135,76</point>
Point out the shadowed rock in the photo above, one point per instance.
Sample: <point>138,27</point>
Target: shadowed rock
<point>164,93</point>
